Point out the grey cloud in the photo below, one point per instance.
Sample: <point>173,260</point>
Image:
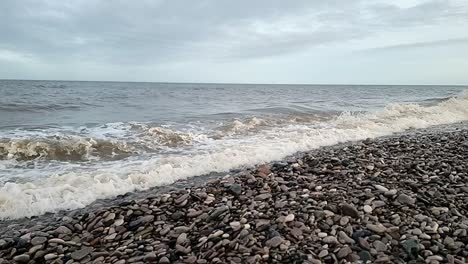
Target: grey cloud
<point>155,32</point>
<point>418,45</point>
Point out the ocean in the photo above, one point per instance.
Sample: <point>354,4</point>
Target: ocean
<point>66,144</point>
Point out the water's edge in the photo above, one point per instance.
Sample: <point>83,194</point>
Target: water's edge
<point>8,226</point>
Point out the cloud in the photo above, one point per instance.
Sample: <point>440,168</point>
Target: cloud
<point>149,33</point>
<point>419,45</point>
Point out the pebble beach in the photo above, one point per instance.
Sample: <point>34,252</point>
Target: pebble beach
<point>398,199</point>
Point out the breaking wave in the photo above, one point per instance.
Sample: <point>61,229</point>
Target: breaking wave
<point>62,149</point>
<point>75,189</point>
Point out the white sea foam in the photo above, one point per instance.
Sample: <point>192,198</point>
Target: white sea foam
<point>75,189</point>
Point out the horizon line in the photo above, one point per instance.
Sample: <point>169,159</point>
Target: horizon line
<point>232,83</point>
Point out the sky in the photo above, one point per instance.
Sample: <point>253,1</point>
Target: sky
<point>225,41</point>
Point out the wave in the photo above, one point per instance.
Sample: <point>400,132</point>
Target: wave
<point>167,137</point>
<point>62,149</point>
<point>27,107</point>
<point>76,189</point>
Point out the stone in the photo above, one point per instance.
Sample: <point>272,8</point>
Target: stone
<point>63,230</point>
<point>367,209</point>
<point>263,196</point>
<point>150,257</point>
<point>274,242</point>
<point>236,225</point>
<point>349,210</point>
<point>344,252</point>
<point>344,220</point>
<point>289,218</point>
<point>21,258</point>
<point>141,221</point>
<point>365,256</point>
<point>50,256</point>
<point>164,260</point>
<point>379,246</point>
<point>379,228</point>
<point>405,199</point>
<point>38,240</point>
<point>235,189</point>
<point>322,234</point>
<point>330,240</point>
<point>323,253</point>
<point>219,211</point>
<point>81,254</point>
<point>344,237</point>
<point>182,239</point>
<point>381,188</point>
<point>56,241</point>
<point>411,246</point>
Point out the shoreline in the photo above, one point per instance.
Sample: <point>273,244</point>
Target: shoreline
<point>348,202</point>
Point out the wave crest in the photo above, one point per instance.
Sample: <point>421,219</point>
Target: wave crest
<point>167,137</point>
<point>62,149</point>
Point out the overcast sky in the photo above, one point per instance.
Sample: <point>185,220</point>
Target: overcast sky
<point>261,41</point>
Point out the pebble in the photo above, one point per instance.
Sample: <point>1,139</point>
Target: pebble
<point>304,209</point>
<point>323,253</point>
<point>344,252</point>
<point>349,210</point>
<point>379,228</point>
<point>274,242</point>
<point>21,258</point>
<point>367,209</point>
<point>381,188</point>
<point>38,240</point>
<point>405,199</point>
<point>289,218</point>
<point>81,254</point>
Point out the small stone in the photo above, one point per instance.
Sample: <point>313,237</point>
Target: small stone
<point>21,258</point>
<point>38,240</point>
<point>405,199</point>
<point>81,254</point>
<point>434,257</point>
<point>330,240</point>
<point>56,241</point>
<point>381,188</point>
<point>376,228</point>
<point>182,239</point>
<point>379,246</point>
<point>411,246</point>
<point>63,230</point>
<point>150,257</point>
<point>118,222</point>
<point>367,209</point>
<point>235,189</point>
<point>390,193</point>
<point>263,196</point>
<point>450,242</point>
<point>323,253</point>
<point>182,198</point>
<point>349,210</point>
<point>50,256</point>
<point>111,236</point>
<point>344,237</point>
<point>164,260</point>
<point>219,211</point>
<point>344,252</point>
<point>141,221</point>
<point>109,219</point>
<point>344,220</point>
<point>365,256</point>
<point>289,218</point>
<point>322,234</point>
<point>235,225</point>
<point>274,242</point>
